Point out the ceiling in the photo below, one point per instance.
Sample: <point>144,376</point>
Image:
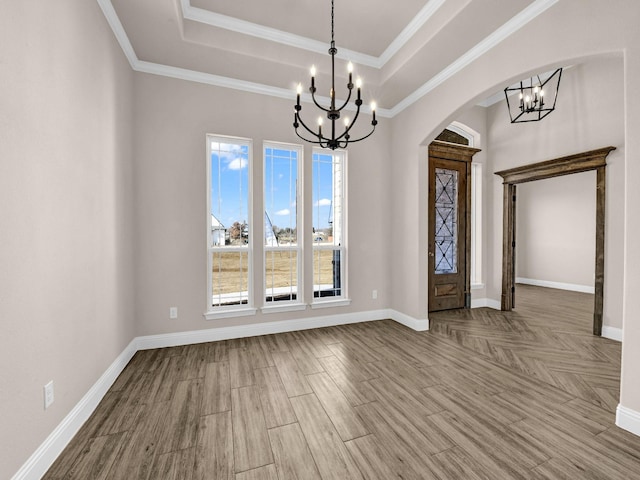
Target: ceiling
<point>400,49</point>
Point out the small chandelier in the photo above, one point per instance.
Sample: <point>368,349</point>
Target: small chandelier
<point>536,98</point>
<point>336,140</point>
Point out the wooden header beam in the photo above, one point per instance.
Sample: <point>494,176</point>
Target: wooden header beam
<point>581,162</point>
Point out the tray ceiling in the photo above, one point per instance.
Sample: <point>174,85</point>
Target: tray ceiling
<point>401,49</point>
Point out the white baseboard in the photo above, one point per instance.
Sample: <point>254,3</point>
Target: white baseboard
<point>485,302</point>
<point>559,285</point>
<point>40,461</point>
<point>419,325</point>
<point>38,464</point>
<point>628,419</point>
<point>267,328</point>
<point>255,329</point>
<point>612,333</point>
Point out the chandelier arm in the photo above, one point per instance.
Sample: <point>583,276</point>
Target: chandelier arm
<point>313,97</point>
<point>307,128</point>
<point>346,102</point>
<point>332,113</point>
<point>353,122</point>
<point>306,139</point>
<point>366,136</point>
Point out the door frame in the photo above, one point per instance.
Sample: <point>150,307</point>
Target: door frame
<point>461,153</point>
<point>581,162</point>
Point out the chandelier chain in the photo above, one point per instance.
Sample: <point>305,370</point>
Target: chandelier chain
<point>334,139</point>
<point>332,41</point>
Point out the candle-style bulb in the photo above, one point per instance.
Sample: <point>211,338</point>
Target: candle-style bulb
<point>320,121</point>
<point>373,106</point>
<point>313,70</point>
<point>350,67</point>
<point>346,121</point>
<point>542,93</point>
<point>358,82</point>
<point>299,89</point>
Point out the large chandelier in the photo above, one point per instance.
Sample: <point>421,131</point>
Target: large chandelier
<point>536,97</point>
<point>336,139</point>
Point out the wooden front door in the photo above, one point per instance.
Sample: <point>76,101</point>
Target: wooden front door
<point>449,226</point>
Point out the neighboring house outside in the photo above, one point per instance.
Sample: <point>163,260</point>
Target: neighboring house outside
<point>218,232</point>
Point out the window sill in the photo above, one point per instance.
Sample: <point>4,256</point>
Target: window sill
<point>332,303</point>
<point>477,286</point>
<point>236,312</point>
<point>290,307</point>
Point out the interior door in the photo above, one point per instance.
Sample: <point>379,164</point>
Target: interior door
<point>447,234</point>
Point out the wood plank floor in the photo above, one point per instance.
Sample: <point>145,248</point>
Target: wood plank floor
<point>548,336</point>
<point>484,395</point>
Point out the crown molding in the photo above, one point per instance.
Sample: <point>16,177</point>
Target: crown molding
<point>510,27</point>
<point>267,33</point>
<point>207,17</point>
<point>243,85</point>
<point>503,32</point>
<point>118,30</point>
<point>410,30</point>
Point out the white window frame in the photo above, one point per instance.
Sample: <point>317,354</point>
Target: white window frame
<point>476,226</point>
<point>224,311</point>
<point>342,299</point>
<point>476,205</point>
<point>298,303</point>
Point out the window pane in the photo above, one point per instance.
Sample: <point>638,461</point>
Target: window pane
<point>229,275</point>
<point>281,279</point>
<point>446,240</point>
<point>281,260</point>
<point>229,164</point>
<point>327,274</point>
<point>229,194</point>
<point>327,199</point>
<point>280,192</point>
<point>328,223</point>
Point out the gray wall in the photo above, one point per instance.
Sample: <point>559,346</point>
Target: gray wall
<point>69,196</point>
<point>170,204</point>
<point>575,33</point>
<point>556,227</point>
<point>557,239</point>
<point>66,263</point>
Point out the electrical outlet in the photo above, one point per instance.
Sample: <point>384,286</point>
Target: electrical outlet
<point>48,394</point>
<point>173,312</point>
<point>374,294</point>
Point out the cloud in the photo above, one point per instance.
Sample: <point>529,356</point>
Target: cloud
<point>237,163</point>
<point>284,211</point>
<point>230,155</point>
<point>323,202</point>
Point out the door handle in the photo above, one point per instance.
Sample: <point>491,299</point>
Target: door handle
<point>431,254</point>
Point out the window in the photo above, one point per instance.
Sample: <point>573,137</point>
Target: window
<point>229,218</point>
<point>329,239</point>
<point>282,242</point>
<point>476,225</point>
